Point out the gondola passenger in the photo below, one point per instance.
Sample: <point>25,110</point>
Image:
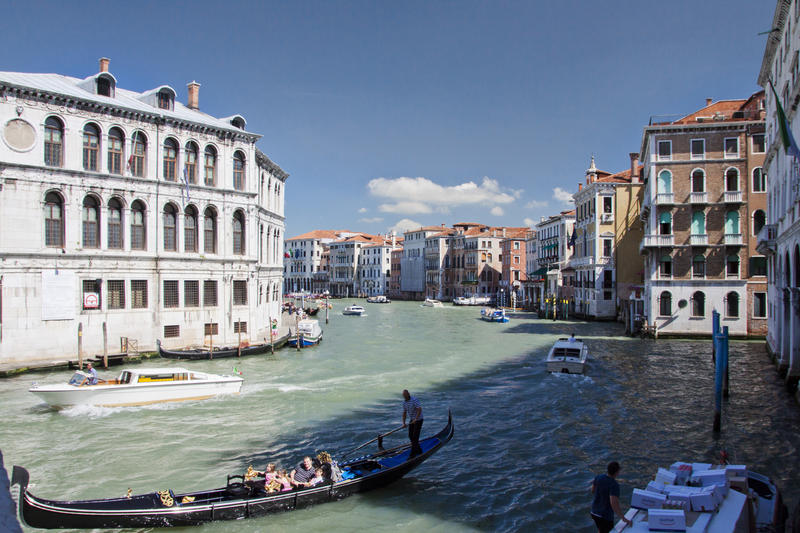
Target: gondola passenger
<point>302,473</point>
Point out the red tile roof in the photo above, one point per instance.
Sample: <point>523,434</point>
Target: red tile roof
<point>320,234</point>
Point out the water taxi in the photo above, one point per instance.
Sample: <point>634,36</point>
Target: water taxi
<point>567,356</point>
<point>430,302</point>
<point>353,310</point>
<point>494,315</point>
<point>141,386</point>
<point>310,333</point>
<point>471,300</point>
<point>379,299</point>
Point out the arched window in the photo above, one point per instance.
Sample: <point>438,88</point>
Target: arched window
<point>238,233</point>
<point>698,223</point>
<point>732,266</point>
<point>699,266</point>
<point>170,228</point>
<point>665,223</point>
<point>665,304</point>
<point>138,154</point>
<point>732,223</point>
<point>138,226</point>
<point>53,220</point>
<point>210,176</point>
<point>698,181</point>
<point>699,304</point>
<point>91,147</point>
<point>170,159</point>
<point>732,179</point>
<point>665,182</point>
<point>489,257</point>
<point>191,162</point>
<point>759,220</point>
<point>238,170</point>
<point>91,222</point>
<point>665,266</point>
<point>759,180</point>
<point>732,305</point>
<point>115,224</point>
<point>190,229</point>
<point>116,141</point>
<point>210,231</point>
<point>53,142</point>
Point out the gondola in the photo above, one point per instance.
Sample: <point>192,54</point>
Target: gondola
<point>217,352</point>
<point>311,311</point>
<point>237,500</point>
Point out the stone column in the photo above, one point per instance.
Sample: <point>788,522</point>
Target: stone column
<point>793,332</point>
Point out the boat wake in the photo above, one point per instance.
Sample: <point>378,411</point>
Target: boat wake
<point>577,379</point>
<point>96,411</point>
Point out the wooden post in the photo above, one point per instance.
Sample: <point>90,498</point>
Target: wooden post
<point>725,366</point>
<point>105,346</point>
<point>80,346</point>
<point>327,306</point>
<point>297,329</point>
<point>211,341</point>
<point>239,348</point>
<point>271,333</point>
<point>717,385</point>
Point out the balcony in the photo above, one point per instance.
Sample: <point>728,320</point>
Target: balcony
<point>699,240</point>
<point>658,241</point>
<point>665,198</point>
<point>766,239</point>
<point>698,197</point>
<point>732,197</point>
<point>607,217</point>
<point>733,239</point>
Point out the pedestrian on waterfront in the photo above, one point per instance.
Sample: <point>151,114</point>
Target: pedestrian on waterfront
<point>413,410</point>
<point>606,499</point>
<point>92,374</point>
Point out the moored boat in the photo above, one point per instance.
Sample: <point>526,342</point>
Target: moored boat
<point>353,310</point>
<point>430,302</point>
<point>379,299</point>
<point>216,352</point>
<point>567,356</point>
<point>236,500</point>
<point>494,315</point>
<point>471,300</point>
<point>140,386</point>
<point>310,333</point>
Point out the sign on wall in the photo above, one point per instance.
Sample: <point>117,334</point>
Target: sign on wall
<point>58,295</point>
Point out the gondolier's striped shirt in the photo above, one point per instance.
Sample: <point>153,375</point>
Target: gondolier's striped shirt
<point>410,407</point>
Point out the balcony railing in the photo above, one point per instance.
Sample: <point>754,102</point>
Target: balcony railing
<point>733,239</point>
<point>698,198</point>
<point>698,240</point>
<point>766,239</point>
<point>655,241</point>
<point>732,197</point>
<point>665,198</point>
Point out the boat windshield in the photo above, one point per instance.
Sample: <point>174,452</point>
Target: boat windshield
<point>78,378</point>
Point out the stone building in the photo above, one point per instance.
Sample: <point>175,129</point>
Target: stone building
<point>304,259</point>
<point>554,236</point>
<point>134,212</point>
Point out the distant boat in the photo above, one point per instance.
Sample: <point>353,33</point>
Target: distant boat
<point>494,315</point>
<point>140,386</point>
<point>311,311</point>
<point>471,300</point>
<point>380,299</point>
<point>217,352</point>
<point>310,333</point>
<point>353,310</point>
<point>429,302</point>
<point>567,356</point>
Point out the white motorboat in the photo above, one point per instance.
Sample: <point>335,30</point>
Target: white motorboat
<point>567,356</point>
<point>141,386</point>
<point>701,498</point>
<point>310,333</point>
<point>471,300</point>
<point>353,310</point>
<point>379,299</point>
<point>429,302</point>
<point>494,315</point>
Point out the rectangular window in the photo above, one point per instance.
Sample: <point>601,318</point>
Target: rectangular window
<point>731,147</point>
<point>139,294</point>
<point>758,265</point>
<point>191,293</point>
<point>211,328</point>
<point>607,247</point>
<point>240,327</point>
<point>91,294</point>
<point>116,294</point>
<point>664,150</point>
<point>698,149</point>
<point>759,305</point>
<point>171,293</point>
<point>239,292</point>
<point>172,331</point>
<point>209,293</point>
<point>759,143</point>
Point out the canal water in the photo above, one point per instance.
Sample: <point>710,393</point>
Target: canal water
<point>526,443</point>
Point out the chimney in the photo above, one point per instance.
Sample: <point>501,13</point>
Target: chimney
<point>634,167</point>
<point>709,101</point>
<point>580,187</point>
<point>193,101</point>
<point>104,61</point>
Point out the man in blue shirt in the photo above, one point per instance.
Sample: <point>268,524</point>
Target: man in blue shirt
<point>92,374</point>
<point>413,409</point>
<point>606,499</point>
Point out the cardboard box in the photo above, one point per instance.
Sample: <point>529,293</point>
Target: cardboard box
<point>703,501</point>
<point>736,470</point>
<point>738,483</point>
<point>682,470</point>
<point>644,499</point>
<point>666,477</point>
<point>656,486</point>
<point>697,467</point>
<point>666,520</point>
<point>707,478</point>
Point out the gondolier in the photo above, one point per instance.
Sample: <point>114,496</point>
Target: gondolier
<point>413,410</point>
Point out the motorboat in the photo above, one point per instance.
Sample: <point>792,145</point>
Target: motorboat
<point>705,498</point>
<point>140,386</point>
<point>430,302</point>
<point>215,352</point>
<point>568,356</point>
<point>237,500</point>
<point>494,315</point>
<point>471,300</point>
<point>353,310</point>
<point>379,299</point>
<point>308,331</point>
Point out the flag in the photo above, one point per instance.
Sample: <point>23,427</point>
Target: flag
<point>133,147</point>
<point>789,144</point>
<point>186,182</point>
<point>237,371</point>
<point>572,239</point>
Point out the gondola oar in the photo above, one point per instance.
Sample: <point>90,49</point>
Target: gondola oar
<point>378,438</point>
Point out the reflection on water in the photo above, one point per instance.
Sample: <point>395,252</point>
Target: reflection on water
<point>526,446</point>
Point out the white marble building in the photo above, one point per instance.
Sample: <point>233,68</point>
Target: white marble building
<point>133,211</point>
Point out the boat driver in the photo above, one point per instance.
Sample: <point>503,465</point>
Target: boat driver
<point>92,374</point>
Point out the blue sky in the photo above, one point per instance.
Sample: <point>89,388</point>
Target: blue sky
<point>390,114</point>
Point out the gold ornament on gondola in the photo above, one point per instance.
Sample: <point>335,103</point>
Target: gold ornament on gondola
<point>187,499</point>
<point>251,474</point>
<point>166,498</point>
<point>128,495</point>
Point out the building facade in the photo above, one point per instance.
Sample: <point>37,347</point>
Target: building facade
<point>304,259</point>
<point>134,213</point>
<point>555,250</point>
<point>513,274</point>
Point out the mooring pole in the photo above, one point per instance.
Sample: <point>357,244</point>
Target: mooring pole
<point>327,305</point>
<point>715,330</point>
<point>80,346</point>
<point>297,329</point>
<point>105,346</point>
<point>725,365</point>
<point>271,333</point>
<point>718,382</point>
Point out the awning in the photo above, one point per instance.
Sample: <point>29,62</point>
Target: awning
<point>541,272</point>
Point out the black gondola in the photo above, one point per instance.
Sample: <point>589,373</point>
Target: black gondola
<point>237,500</point>
<point>311,311</point>
<point>217,352</point>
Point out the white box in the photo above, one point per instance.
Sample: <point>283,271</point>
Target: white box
<point>703,501</point>
<point>682,470</point>
<point>666,520</point>
<point>736,470</point>
<point>697,467</point>
<point>644,499</point>
<point>666,477</point>
<point>656,486</point>
<point>682,497</point>
<point>706,478</point>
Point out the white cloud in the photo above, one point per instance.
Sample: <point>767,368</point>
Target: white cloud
<point>497,211</point>
<point>528,222</point>
<point>404,225</point>
<point>536,203</point>
<point>371,220</point>
<point>421,195</point>
<point>562,196</point>
<point>363,210</point>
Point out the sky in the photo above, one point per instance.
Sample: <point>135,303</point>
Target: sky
<point>389,115</point>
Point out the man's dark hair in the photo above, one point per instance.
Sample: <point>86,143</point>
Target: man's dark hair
<point>613,468</point>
